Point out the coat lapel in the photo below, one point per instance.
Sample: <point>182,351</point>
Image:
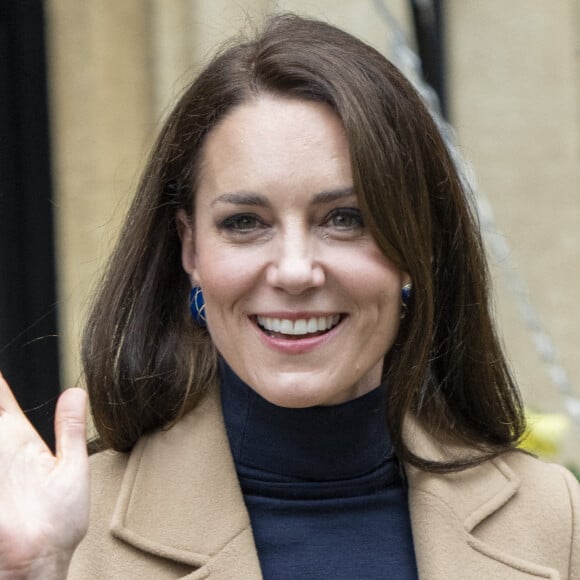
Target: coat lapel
<point>208,528</point>
<point>446,510</point>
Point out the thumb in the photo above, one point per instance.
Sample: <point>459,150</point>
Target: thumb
<point>70,425</point>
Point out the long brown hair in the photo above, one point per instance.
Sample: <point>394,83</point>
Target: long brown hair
<point>147,364</point>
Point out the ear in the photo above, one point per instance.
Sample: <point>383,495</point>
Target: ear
<point>188,254</point>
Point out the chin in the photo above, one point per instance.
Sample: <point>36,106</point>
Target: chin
<point>292,395</point>
<point>290,400</point>
<point>301,397</point>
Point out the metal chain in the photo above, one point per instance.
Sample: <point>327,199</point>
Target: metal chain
<point>405,58</point>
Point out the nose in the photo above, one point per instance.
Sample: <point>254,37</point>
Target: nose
<point>294,267</point>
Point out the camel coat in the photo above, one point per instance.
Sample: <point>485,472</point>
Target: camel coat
<point>173,508</point>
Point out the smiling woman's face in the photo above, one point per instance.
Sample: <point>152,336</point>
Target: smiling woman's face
<point>300,301</point>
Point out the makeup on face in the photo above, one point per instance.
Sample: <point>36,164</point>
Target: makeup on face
<point>300,301</point>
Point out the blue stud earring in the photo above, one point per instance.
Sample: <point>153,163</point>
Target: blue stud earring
<point>406,292</point>
<point>197,306</point>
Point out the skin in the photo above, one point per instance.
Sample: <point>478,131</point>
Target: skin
<point>278,233</point>
<point>44,508</point>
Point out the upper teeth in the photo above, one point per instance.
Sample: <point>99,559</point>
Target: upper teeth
<point>300,326</point>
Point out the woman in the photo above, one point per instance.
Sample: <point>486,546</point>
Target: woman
<point>339,406</point>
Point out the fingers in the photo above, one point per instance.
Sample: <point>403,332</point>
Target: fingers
<point>70,420</point>
<point>8,403</point>
<point>70,425</point>
<point>14,424</point>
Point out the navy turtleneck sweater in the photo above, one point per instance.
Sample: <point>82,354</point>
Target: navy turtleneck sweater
<point>324,492</point>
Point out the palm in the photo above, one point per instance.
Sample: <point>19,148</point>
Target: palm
<point>43,497</point>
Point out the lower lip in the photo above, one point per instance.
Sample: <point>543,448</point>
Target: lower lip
<point>297,345</point>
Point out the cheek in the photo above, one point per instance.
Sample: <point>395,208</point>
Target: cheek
<point>374,279</point>
<point>376,287</point>
<point>225,276</point>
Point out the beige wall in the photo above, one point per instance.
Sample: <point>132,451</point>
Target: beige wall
<point>115,70</point>
<point>515,104</point>
<point>116,67</point>
<point>102,119</point>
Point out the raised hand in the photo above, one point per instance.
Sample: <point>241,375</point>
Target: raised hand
<point>44,499</point>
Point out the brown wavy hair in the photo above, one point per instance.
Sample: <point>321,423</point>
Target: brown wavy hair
<point>146,363</point>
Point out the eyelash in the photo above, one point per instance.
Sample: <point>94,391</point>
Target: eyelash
<point>351,213</point>
<point>234,223</point>
<point>247,223</point>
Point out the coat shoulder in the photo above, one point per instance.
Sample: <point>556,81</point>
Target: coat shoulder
<point>107,469</point>
<point>107,464</point>
<point>528,467</point>
<point>101,555</point>
<point>550,490</point>
<point>514,509</point>
<point>543,515</point>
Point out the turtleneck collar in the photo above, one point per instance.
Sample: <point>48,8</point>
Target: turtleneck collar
<point>316,443</point>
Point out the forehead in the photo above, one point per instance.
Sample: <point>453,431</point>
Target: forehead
<point>267,113</point>
<point>273,142</point>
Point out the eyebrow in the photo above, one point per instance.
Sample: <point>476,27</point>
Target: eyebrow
<point>257,199</point>
<point>242,198</point>
<point>334,194</point>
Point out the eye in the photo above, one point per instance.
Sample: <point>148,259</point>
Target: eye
<point>345,218</point>
<point>242,223</point>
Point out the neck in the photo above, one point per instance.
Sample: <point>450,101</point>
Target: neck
<point>321,443</point>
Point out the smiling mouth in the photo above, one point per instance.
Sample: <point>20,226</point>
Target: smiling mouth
<point>297,329</point>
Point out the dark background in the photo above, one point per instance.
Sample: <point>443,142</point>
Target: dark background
<point>28,316</point>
